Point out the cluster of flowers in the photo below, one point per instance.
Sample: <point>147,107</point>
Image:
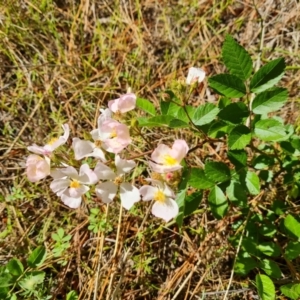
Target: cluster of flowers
<point>111,136</point>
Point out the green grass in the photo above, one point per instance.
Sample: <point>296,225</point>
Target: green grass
<point>60,62</point>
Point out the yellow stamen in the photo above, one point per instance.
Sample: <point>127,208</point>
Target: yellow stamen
<point>113,134</point>
<point>169,160</point>
<point>52,141</point>
<point>160,196</point>
<point>74,184</point>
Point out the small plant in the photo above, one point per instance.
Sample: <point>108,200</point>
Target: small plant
<point>61,243</point>
<point>98,221</point>
<point>25,279</point>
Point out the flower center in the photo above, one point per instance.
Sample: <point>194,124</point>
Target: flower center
<point>52,141</point>
<point>113,133</point>
<point>74,184</point>
<point>169,160</point>
<point>160,196</point>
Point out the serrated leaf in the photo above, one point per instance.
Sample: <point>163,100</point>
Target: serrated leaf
<point>218,129</point>
<point>37,257</point>
<point>270,130</point>
<point>192,202</point>
<point>292,226</point>
<point>269,101</point>
<point>239,137</point>
<point>269,249</point>
<point>236,58</point>
<point>217,202</point>
<point>238,158</point>
<point>227,85</point>
<point>252,183</point>
<point>236,194</point>
<point>292,250</point>
<point>267,76</point>
<point>204,114</point>
<point>146,106</point>
<point>291,290</point>
<point>234,112</point>
<point>15,267</point>
<point>265,287</point>
<point>217,171</point>
<point>199,180</point>
<point>270,267</point>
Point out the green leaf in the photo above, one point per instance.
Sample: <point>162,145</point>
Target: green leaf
<point>270,130</point>
<point>236,194</point>
<point>239,137</point>
<point>234,112</point>
<point>244,265</point>
<point>159,121</point>
<point>238,158</point>
<point>169,108</point>
<point>252,183</point>
<point>199,180</point>
<point>217,202</point>
<point>236,58</point>
<point>292,226</point>
<point>269,101</point>
<point>228,85</point>
<point>15,267</point>
<point>267,76</point>
<point>192,202</point>
<point>218,129</point>
<point>291,290</point>
<point>37,257</point>
<point>289,147</point>
<point>204,114</point>
<point>180,200</point>
<point>217,171</point>
<point>269,249</point>
<point>263,161</point>
<point>72,295</point>
<point>265,287</point>
<point>146,106</point>
<point>30,281</point>
<point>270,267</point>
<point>292,250</point>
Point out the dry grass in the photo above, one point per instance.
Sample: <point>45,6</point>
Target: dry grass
<point>62,60</point>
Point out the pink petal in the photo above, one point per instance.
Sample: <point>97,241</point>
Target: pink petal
<point>82,148</point>
<point>195,74</point>
<point>37,168</point>
<point>158,155</point>
<point>179,150</point>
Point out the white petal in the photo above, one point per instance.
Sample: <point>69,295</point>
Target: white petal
<point>104,172</point>
<point>148,192</point>
<point>158,155</point>
<point>195,74</point>
<point>123,165</point>
<point>163,168</point>
<point>86,175</point>
<point>77,192</point>
<point>37,149</point>
<point>129,195</point>
<point>82,148</point>
<point>106,191</point>
<point>71,202</point>
<point>58,186</point>
<point>166,210</point>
